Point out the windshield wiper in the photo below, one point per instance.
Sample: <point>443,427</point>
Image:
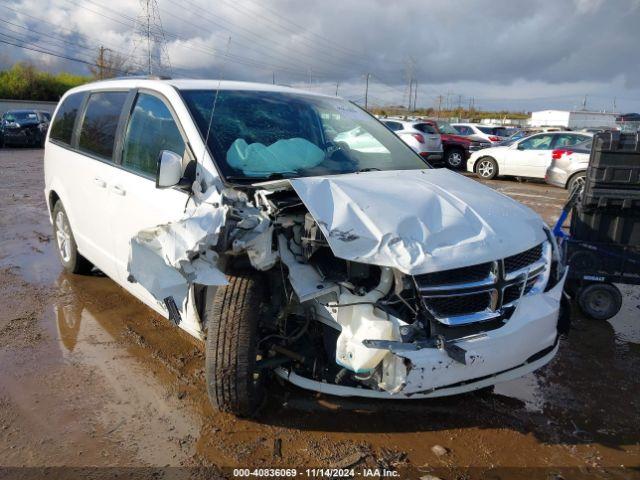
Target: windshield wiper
<point>271,176</point>
<point>368,169</point>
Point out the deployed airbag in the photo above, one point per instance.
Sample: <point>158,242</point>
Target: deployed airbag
<point>283,156</point>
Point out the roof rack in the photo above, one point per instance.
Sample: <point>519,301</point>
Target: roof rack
<point>142,77</point>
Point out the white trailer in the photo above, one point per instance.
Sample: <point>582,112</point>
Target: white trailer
<point>572,119</point>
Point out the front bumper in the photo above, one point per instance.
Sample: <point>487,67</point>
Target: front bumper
<point>525,343</point>
<point>431,156</point>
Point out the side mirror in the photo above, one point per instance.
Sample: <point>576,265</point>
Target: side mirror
<point>169,170</point>
<point>519,146</point>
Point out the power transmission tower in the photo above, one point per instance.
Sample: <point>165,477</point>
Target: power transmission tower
<point>415,96</point>
<point>149,41</point>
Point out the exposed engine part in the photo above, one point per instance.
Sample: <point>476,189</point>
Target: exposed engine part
<point>312,238</point>
<point>361,320</point>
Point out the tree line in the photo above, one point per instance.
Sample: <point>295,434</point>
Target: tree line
<point>24,82</point>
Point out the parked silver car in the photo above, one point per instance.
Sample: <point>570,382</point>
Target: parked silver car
<point>420,136</point>
<point>568,166</point>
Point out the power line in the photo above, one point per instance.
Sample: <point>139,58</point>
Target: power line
<point>48,53</point>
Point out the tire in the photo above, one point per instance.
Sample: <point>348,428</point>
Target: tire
<point>487,168</point>
<point>71,259</point>
<point>232,315</point>
<point>600,301</point>
<point>454,158</point>
<point>578,179</point>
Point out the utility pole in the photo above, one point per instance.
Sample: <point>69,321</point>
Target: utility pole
<point>366,92</point>
<point>439,105</point>
<point>101,63</point>
<point>584,103</point>
<point>274,78</point>
<point>614,104</point>
<point>415,96</point>
<point>410,93</point>
<point>337,86</point>
<point>459,102</point>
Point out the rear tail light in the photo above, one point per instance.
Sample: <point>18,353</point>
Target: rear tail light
<point>494,139</point>
<point>558,152</point>
<point>418,137</point>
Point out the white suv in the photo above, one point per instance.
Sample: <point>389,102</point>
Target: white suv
<point>299,237</point>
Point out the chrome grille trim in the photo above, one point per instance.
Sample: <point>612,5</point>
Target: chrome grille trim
<point>503,289</point>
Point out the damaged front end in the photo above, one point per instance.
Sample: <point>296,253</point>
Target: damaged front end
<point>417,294</point>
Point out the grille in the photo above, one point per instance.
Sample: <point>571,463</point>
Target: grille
<point>512,293</point>
<point>522,260</point>
<point>474,273</point>
<point>482,293</point>
<point>460,305</point>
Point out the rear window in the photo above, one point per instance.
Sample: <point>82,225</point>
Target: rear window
<point>98,131</point>
<point>62,126</point>
<point>425,128</point>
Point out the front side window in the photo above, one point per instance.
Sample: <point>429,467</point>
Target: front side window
<point>538,142</point>
<point>260,135</point>
<point>151,129</point>
<point>98,131</point>
<point>62,127</point>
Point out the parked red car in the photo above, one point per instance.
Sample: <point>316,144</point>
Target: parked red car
<point>456,148</point>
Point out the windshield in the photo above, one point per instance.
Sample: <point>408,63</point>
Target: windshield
<point>446,128</point>
<point>20,116</point>
<point>267,135</point>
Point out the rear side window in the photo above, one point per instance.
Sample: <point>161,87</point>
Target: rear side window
<point>98,131</point>
<point>62,126</point>
<point>151,129</point>
<point>394,126</point>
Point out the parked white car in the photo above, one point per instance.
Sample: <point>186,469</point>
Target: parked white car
<point>420,136</point>
<point>243,214</point>
<point>492,134</point>
<point>528,157</point>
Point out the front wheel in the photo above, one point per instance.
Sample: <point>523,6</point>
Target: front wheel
<point>71,259</point>
<point>232,314</point>
<point>600,301</point>
<point>487,168</point>
<point>454,158</point>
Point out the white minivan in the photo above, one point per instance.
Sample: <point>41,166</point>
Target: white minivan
<point>250,216</point>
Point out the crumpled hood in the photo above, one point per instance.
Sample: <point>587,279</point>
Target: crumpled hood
<point>417,221</point>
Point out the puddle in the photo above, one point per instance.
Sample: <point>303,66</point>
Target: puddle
<point>527,389</point>
<point>626,323</point>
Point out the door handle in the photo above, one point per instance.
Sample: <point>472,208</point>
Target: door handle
<point>118,190</point>
<point>99,182</point>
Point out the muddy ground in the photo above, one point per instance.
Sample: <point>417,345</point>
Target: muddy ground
<point>90,377</point>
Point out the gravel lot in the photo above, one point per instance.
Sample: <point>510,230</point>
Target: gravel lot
<point>90,377</point>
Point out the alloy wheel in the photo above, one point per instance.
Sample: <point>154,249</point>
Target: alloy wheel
<point>63,236</point>
<point>485,168</point>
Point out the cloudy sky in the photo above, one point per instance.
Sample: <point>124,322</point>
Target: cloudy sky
<point>518,55</point>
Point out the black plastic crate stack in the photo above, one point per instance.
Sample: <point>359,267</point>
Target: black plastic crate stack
<point>610,208</point>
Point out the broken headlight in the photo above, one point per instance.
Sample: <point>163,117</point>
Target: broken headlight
<point>558,265</point>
